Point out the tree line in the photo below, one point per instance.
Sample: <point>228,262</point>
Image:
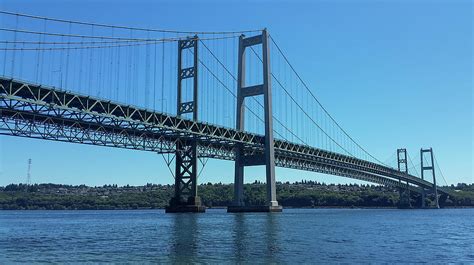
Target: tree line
<point>153,196</point>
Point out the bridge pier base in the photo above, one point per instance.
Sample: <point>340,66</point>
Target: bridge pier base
<point>255,208</point>
<point>423,199</point>
<point>193,205</point>
<point>405,200</point>
<point>185,199</point>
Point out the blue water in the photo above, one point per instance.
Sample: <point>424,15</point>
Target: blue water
<point>296,235</point>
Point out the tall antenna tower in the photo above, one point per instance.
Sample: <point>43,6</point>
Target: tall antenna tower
<point>28,175</point>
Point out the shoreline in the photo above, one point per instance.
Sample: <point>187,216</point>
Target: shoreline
<point>225,207</point>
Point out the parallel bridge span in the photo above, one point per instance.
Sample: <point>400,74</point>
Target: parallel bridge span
<point>34,111</point>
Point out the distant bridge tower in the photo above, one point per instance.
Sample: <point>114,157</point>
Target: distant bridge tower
<point>429,167</point>
<point>403,167</point>
<point>28,174</point>
<point>242,159</point>
<point>186,197</point>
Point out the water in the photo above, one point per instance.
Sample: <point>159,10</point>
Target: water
<point>296,235</point>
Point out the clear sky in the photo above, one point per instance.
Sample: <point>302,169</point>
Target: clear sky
<point>393,73</point>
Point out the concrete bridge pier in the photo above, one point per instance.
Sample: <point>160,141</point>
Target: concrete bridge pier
<point>428,167</point>
<point>256,158</point>
<point>423,198</point>
<point>405,199</point>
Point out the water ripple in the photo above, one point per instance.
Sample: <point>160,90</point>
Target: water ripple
<point>294,236</point>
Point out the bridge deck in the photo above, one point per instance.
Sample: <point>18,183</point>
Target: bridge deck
<point>30,110</point>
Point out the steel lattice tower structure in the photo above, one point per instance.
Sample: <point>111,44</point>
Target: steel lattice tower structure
<point>186,197</point>
<point>402,162</point>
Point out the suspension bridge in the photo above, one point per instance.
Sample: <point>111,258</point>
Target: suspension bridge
<point>188,96</point>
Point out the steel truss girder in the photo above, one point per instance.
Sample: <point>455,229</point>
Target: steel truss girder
<point>15,95</point>
<point>39,112</point>
<point>329,167</point>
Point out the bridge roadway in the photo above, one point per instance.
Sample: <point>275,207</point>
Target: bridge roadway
<point>34,111</point>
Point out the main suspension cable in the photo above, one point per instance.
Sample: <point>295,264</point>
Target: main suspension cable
<point>108,37</point>
<point>258,102</point>
<point>301,108</point>
<point>413,165</point>
<point>439,168</point>
<point>232,93</point>
<point>319,103</point>
<point>126,27</point>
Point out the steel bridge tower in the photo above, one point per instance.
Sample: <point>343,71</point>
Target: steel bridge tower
<point>243,159</point>
<point>429,167</point>
<point>402,162</point>
<point>186,197</point>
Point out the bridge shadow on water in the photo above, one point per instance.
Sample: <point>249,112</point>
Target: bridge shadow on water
<point>239,237</point>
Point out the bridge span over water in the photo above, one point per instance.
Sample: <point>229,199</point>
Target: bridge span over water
<point>35,110</point>
<point>29,110</point>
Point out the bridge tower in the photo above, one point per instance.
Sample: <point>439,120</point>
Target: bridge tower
<point>429,167</point>
<point>244,159</point>
<point>403,167</point>
<point>186,197</point>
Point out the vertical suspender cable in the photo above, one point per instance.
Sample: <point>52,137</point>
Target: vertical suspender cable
<point>170,82</point>
<point>81,66</point>
<point>163,74</point>
<point>109,83</point>
<point>38,52</point>
<point>91,66</point>
<point>117,79</point>
<point>67,59</point>
<point>234,88</point>
<point>14,51</point>
<point>129,75</point>
<point>21,61</point>
<point>154,81</point>
<point>136,83</point>
<point>147,71</point>
<point>208,97</point>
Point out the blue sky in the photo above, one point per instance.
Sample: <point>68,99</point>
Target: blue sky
<point>393,73</point>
